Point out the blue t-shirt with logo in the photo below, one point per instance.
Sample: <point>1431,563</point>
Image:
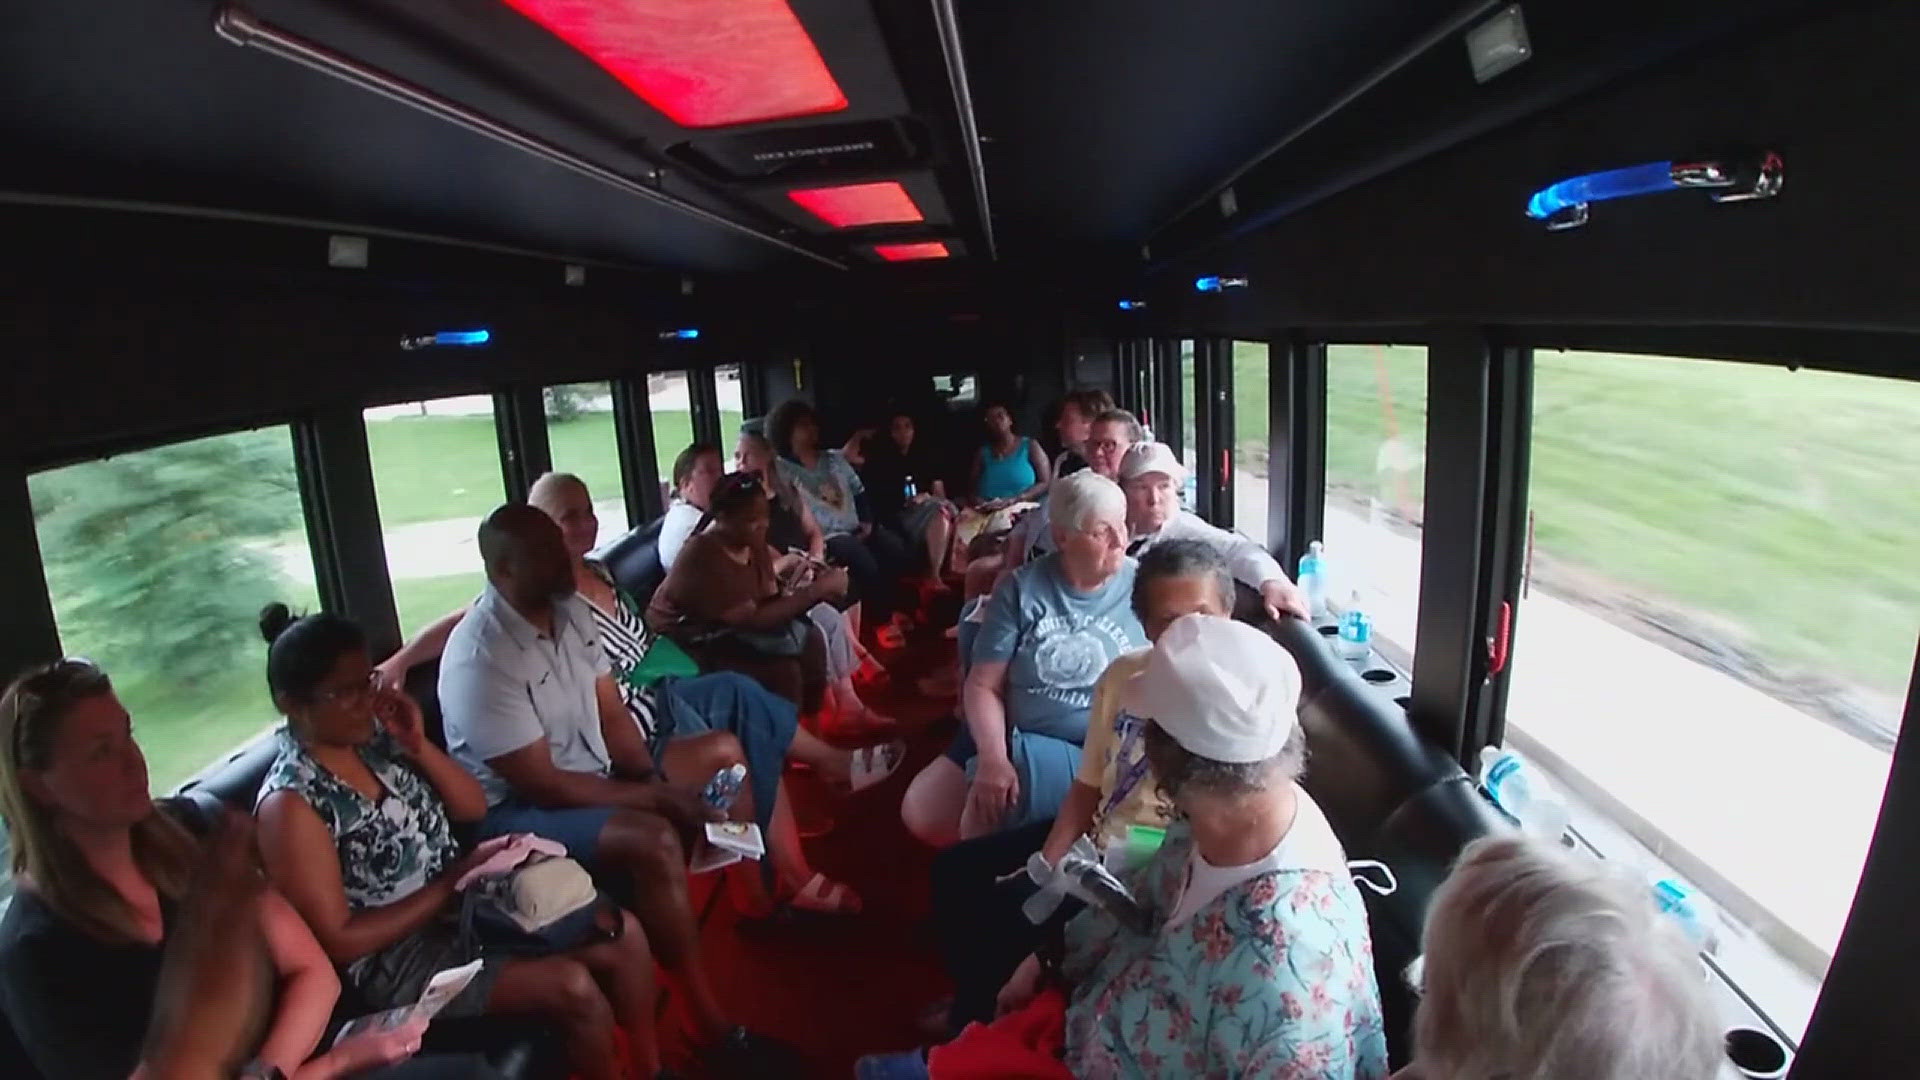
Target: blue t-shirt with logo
<point>1056,642</point>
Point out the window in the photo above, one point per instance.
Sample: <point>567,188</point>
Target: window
<point>581,438</point>
<point>1718,627</point>
<point>1251,392</point>
<point>727,393</point>
<point>671,404</point>
<point>1376,476</point>
<point>958,391</point>
<point>436,473</point>
<point>158,562</point>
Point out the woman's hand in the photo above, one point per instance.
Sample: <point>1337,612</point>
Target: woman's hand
<point>1021,989</point>
<point>375,1049</point>
<point>400,715</point>
<point>831,583</point>
<point>996,787</point>
<point>391,674</point>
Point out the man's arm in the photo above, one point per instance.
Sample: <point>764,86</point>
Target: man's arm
<point>532,775</point>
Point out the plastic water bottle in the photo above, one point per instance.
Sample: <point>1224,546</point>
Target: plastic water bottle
<point>1356,632</point>
<point>912,488</point>
<point>1312,578</point>
<point>1520,790</point>
<point>1684,906</point>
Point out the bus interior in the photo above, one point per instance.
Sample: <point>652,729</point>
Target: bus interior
<point>1618,469</point>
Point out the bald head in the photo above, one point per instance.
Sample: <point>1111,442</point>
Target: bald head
<point>525,556</point>
<point>564,498</point>
<point>552,491</point>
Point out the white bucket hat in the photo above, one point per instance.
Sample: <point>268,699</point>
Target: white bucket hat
<point>1152,457</point>
<point>1221,689</point>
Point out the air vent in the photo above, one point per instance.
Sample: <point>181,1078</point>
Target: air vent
<point>874,146</point>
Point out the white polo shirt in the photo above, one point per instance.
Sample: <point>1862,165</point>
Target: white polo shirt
<point>1247,561</point>
<point>504,684</point>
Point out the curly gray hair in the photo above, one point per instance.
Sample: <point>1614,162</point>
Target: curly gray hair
<point>1542,964</point>
<point>1179,770</point>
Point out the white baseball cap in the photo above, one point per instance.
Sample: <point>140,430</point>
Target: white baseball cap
<point>1221,689</point>
<point>1152,457</point>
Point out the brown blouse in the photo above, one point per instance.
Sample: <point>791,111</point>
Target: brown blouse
<point>706,582</point>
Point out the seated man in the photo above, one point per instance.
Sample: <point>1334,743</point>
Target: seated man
<point>1259,963</point>
<point>1153,477</point>
<point>533,712</point>
<point>983,933</point>
<point>1584,979</point>
<point>1050,631</point>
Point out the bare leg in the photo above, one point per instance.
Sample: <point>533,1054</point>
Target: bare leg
<point>650,851</point>
<point>831,762</point>
<point>624,969</point>
<point>939,538</point>
<point>932,806</point>
<point>562,989</point>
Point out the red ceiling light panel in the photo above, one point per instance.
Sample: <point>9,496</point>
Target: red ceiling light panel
<point>704,63</point>
<point>911,252</point>
<point>885,203</point>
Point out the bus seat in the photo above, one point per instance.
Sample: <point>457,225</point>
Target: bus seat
<point>634,561</point>
<point>423,685</point>
<point>1390,796</point>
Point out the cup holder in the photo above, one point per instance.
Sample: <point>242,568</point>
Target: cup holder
<point>1756,1054</point>
<point>1329,630</point>
<point>1378,675</point>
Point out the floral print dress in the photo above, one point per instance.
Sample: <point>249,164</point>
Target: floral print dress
<point>1272,978</point>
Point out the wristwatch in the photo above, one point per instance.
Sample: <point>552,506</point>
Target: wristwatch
<point>259,1070</point>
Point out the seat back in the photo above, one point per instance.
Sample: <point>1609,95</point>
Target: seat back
<point>1390,796</point>
<point>634,561</point>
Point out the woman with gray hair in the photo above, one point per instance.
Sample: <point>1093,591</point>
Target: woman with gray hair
<point>1246,952</point>
<point>1542,963</point>
<point>1050,630</point>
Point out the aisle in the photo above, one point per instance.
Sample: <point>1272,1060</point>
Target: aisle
<point>840,988</point>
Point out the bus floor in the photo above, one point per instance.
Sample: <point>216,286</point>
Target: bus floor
<point>835,988</point>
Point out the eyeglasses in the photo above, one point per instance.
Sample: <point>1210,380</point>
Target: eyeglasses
<point>350,694</point>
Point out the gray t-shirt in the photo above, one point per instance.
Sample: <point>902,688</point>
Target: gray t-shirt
<point>505,685</point>
<point>1056,643</point>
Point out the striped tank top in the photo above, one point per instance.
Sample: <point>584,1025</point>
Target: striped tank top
<point>625,639</point>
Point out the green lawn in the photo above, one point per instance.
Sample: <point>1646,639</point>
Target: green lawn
<point>430,468</point>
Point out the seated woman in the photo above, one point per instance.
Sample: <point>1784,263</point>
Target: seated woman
<point>1049,632</point>
<point>1010,468</point>
<point>788,531</point>
<point>1586,981</point>
<point>356,818</point>
<point>101,872</point>
<point>696,719</point>
<point>977,888</point>
<point>908,495</point>
<point>1259,962</point>
<point>695,472</point>
<point>835,494</point>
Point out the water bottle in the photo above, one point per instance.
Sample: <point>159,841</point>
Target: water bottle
<point>912,488</point>
<point>1356,632</point>
<point>1522,792</point>
<point>1312,578</point>
<point>1683,905</point>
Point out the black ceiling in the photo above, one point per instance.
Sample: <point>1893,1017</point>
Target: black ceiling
<point>1104,118</point>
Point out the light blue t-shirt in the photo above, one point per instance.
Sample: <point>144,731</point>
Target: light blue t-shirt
<point>829,488</point>
<point>1056,642</point>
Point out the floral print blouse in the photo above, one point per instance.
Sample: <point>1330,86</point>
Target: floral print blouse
<point>388,849</point>
<point>1272,978</point>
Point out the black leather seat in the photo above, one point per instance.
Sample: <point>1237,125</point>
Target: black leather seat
<point>634,561</point>
<point>1391,797</point>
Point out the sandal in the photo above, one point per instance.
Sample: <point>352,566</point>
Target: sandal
<point>873,764</point>
<point>820,896</point>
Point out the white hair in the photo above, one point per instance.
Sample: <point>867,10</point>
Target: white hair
<point>1546,965</point>
<point>1085,499</point>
